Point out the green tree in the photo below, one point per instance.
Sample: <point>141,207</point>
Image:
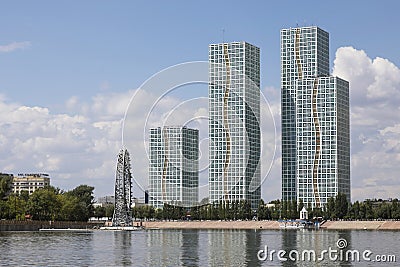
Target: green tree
<point>300,206</point>
<point>355,211</point>
<point>221,210</point>
<point>158,214</point>
<point>261,211</point>
<point>43,204</point>
<point>395,209</point>
<point>284,210</point>
<point>369,213</point>
<point>109,210</point>
<point>341,205</point>
<point>71,208</point>
<point>195,212</point>
<point>292,209</point>
<point>16,207</point>
<point>3,209</point>
<point>24,195</point>
<point>330,208</point>
<point>99,212</point>
<point>5,185</point>
<point>84,194</point>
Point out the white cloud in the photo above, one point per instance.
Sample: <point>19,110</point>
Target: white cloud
<point>80,145</point>
<point>14,46</point>
<point>375,130</point>
<point>34,139</point>
<point>375,80</point>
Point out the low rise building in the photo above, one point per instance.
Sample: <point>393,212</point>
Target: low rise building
<point>104,201</point>
<point>30,182</point>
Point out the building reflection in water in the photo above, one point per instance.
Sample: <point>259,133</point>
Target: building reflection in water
<point>233,247</point>
<point>253,243</point>
<point>289,243</point>
<point>203,247</point>
<point>122,248</point>
<point>301,240</point>
<point>163,247</point>
<point>226,247</point>
<point>190,248</point>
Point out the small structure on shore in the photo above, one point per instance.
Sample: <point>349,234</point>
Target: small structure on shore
<point>301,223</point>
<point>303,214</point>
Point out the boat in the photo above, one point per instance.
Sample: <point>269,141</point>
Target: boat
<point>297,224</point>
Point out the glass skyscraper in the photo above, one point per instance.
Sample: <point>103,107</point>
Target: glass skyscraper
<point>234,130</point>
<point>315,120</point>
<point>174,167</point>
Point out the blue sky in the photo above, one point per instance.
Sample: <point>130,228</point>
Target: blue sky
<point>69,68</point>
<point>75,48</point>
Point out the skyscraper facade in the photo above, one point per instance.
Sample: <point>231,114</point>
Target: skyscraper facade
<point>234,129</point>
<point>315,120</point>
<point>174,167</point>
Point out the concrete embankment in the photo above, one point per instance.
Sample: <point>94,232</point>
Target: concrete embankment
<point>271,225</point>
<point>13,225</point>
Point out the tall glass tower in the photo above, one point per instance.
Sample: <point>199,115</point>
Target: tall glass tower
<point>174,167</point>
<point>315,120</point>
<point>234,129</point>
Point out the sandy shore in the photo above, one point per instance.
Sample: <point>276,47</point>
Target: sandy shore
<point>272,225</point>
<point>213,225</point>
<point>361,225</point>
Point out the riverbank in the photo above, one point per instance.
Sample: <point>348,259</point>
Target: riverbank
<point>6,225</point>
<point>271,225</point>
<point>361,225</point>
<point>212,225</point>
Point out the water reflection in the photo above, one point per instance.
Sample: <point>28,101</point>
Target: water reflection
<point>164,247</point>
<point>203,248</point>
<point>253,242</point>
<point>289,243</point>
<point>299,241</point>
<point>122,248</point>
<point>185,247</point>
<point>227,247</point>
<point>190,248</point>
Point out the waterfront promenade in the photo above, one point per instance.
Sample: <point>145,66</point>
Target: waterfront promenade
<point>272,225</point>
<point>267,225</point>
<point>361,225</point>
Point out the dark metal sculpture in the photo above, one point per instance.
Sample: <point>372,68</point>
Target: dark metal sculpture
<point>123,187</point>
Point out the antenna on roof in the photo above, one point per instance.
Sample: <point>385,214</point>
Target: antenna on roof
<point>223,35</point>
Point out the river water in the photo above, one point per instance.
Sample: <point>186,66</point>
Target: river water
<point>199,248</point>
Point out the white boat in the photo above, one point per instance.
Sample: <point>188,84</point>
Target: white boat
<point>293,224</point>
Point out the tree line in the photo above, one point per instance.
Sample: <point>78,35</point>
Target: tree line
<point>337,208</point>
<point>48,203</point>
<point>222,210</point>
